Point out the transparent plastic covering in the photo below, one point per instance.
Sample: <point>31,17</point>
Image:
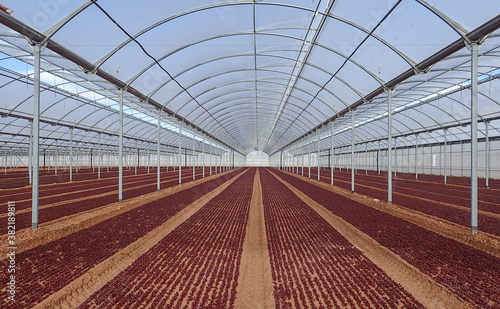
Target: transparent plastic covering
<point>247,75</point>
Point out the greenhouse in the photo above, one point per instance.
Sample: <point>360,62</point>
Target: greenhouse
<point>368,132</point>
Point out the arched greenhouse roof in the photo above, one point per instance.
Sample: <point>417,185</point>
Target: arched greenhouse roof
<point>248,75</point>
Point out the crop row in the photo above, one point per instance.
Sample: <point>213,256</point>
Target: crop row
<point>314,266</point>
<point>471,274</point>
<point>13,180</point>
<point>18,181</point>
<point>47,190</point>
<point>434,179</point>
<point>87,202</point>
<point>456,194</point>
<point>195,266</point>
<point>409,199</point>
<point>73,190</point>
<point>47,268</point>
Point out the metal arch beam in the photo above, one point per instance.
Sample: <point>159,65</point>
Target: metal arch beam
<point>349,58</point>
<point>233,119</point>
<point>456,101</point>
<point>346,137</point>
<point>145,30</point>
<point>342,101</point>
<point>69,126</point>
<point>239,117</point>
<point>285,73</point>
<point>244,118</point>
<point>461,31</point>
<point>249,97</point>
<point>375,123</point>
<point>52,31</point>
<point>36,36</point>
<point>403,124</point>
<point>204,40</point>
<point>346,129</point>
<point>236,104</point>
<point>207,101</point>
<point>229,56</point>
<point>292,80</point>
<point>437,107</point>
<point>245,97</point>
<point>366,139</point>
<point>230,110</point>
<point>232,71</point>
<point>480,32</point>
<point>72,96</point>
<point>47,87</point>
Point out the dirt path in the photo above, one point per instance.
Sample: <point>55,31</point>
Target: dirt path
<point>53,230</point>
<point>83,287</point>
<point>255,283</point>
<point>421,286</point>
<point>482,241</point>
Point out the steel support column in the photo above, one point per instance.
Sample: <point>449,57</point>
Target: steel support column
<point>474,47</point>
<point>378,159</point>
<point>120,147</point>
<point>319,165</point>
<point>487,156</point>
<point>445,157</point>
<point>158,153</point>
<point>220,163</point>
<point>302,156</point>
<point>332,164</point>
<point>194,165</point>
<point>309,157</point>
<point>395,158</point>
<point>37,50</point>
<point>71,156</point>
<point>56,163</point>
<point>353,113</point>
<point>30,155</point>
<point>180,152</point>
<point>100,158</point>
<point>389,146</point>
<point>138,156</point>
<point>366,159</point>
<point>203,155</point>
<point>416,157</point>
<point>462,159</point>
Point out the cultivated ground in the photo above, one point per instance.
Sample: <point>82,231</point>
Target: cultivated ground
<point>252,238</point>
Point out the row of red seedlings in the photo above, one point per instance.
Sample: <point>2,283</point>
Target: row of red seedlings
<point>85,200</point>
<point>427,198</point>
<point>471,274</point>
<point>46,269</point>
<point>20,178</point>
<point>194,266</point>
<point>314,266</point>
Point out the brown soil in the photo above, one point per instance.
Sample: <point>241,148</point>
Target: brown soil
<point>255,283</point>
<point>83,287</point>
<point>481,212</point>
<point>482,241</point>
<point>421,286</point>
<point>53,230</point>
<point>81,198</point>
